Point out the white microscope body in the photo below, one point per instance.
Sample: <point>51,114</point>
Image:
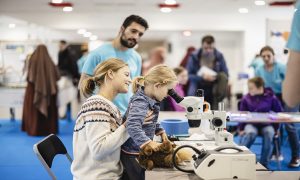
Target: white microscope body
<point>194,106</point>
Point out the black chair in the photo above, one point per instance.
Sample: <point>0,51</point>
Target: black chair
<point>47,149</point>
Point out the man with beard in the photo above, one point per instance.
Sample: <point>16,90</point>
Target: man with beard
<point>208,71</point>
<point>121,47</point>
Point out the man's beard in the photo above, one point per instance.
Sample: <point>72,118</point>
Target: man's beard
<point>126,43</point>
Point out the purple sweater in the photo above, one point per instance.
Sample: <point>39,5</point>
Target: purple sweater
<point>266,102</point>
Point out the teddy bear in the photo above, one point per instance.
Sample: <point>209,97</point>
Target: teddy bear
<point>162,158</point>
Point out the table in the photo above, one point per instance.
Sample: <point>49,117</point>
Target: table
<point>160,173</point>
<point>166,174</point>
<point>243,116</point>
<point>262,174</point>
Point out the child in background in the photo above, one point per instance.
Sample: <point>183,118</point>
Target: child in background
<point>259,99</point>
<point>182,77</point>
<point>149,91</point>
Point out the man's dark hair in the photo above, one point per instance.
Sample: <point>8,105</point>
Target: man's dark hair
<point>63,42</point>
<point>208,39</point>
<point>136,19</point>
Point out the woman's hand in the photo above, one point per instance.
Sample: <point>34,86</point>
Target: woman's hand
<point>149,117</point>
<point>124,123</point>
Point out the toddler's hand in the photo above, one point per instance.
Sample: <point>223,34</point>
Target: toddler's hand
<point>164,137</point>
<point>154,145</point>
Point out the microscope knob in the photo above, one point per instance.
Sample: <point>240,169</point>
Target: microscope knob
<point>202,154</point>
<point>227,118</point>
<point>190,109</point>
<point>217,122</point>
<point>195,157</point>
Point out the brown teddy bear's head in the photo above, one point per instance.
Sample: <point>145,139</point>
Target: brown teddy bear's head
<point>161,158</point>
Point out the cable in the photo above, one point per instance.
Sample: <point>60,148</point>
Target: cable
<point>174,158</point>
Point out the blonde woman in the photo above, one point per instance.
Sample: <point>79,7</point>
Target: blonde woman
<point>149,91</point>
<point>99,131</point>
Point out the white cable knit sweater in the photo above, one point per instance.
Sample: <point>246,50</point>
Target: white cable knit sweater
<point>97,141</point>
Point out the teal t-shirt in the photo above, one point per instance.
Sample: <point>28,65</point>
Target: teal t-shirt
<point>274,78</point>
<point>106,51</point>
<point>294,38</point>
<point>80,63</point>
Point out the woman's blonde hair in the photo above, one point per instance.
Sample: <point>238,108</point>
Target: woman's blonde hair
<point>89,84</point>
<point>158,74</point>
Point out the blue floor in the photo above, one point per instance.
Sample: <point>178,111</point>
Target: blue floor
<point>17,160</point>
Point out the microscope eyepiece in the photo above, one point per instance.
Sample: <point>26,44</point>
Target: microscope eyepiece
<point>174,95</point>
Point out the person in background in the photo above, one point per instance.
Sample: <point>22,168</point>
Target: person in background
<point>182,77</point>
<point>80,64</point>
<point>40,111</point>
<point>99,131</point>
<point>189,51</point>
<point>82,59</point>
<point>157,56</point>
<point>68,69</point>
<point>121,47</point>
<point>209,58</point>
<point>67,62</point>
<point>273,74</point>
<point>291,83</point>
<point>149,91</point>
<point>259,99</point>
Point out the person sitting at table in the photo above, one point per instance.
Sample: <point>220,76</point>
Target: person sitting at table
<point>259,99</point>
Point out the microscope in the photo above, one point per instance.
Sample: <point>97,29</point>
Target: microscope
<point>227,161</point>
<point>197,109</point>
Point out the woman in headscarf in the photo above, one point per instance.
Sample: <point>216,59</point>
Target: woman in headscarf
<point>40,115</point>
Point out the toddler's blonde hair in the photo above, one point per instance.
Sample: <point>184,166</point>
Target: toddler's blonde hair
<point>158,74</point>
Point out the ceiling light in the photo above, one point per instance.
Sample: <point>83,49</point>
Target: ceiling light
<point>259,3</point>
<point>87,34</point>
<point>93,37</point>
<point>61,4</point>
<point>187,33</point>
<point>67,9</point>
<point>57,1</point>
<point>170,2</point>
<point>243,10</point>
<point>165,10</point>
<point>81,31</point>
<point>12,25</point>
